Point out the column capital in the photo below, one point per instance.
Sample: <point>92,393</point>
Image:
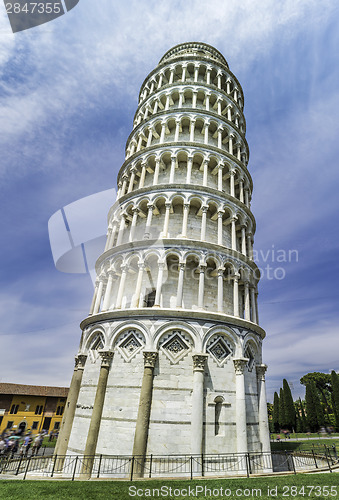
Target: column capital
<point>199,362</point>
<point>239,365</point>
<point>236,276</point>
<point>186,206</point>
<point>221,212</point>
<point>221,271</point>
<point>80,361</point>
<point>106,357</point>
<point>261,370</point>
<point>168,205</point>
<point>202,268</point>
<point>150,358</point>
<point>204,209</point>
<point>182,266</point>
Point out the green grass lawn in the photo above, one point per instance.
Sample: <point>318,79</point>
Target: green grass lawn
<point>313,435</point>
<point>299,486</point>
<point>317,444</point>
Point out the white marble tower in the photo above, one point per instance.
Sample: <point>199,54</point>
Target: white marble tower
<point>170,359</point>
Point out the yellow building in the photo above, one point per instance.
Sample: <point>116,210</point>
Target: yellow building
<point>31,407</point>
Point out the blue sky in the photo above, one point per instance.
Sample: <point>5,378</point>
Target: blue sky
<point>68,93</point>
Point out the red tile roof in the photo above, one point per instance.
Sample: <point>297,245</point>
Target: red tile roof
<point>33,390</point>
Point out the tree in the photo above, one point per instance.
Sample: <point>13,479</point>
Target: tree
<point>335,397</point>
<point>290,419</point>
<point>323,385</point>
<point>303,416</point>
<point>315,416</point>
<point>275,417</point>
<point>282,419</point>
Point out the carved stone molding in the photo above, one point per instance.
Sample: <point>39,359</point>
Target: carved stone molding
<point>80,361</point>
<point>239,365</point>
<point>150,358</point>
<point>106,358</point>
<point>261,370</point>
<point>199,362</point>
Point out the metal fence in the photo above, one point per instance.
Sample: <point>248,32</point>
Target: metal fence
<point>169,466</point>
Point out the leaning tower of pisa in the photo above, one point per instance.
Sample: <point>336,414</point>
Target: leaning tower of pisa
<point>170,359</point>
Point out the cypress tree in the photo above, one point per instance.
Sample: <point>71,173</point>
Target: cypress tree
<point>315,416</point>
<point>303,417</point>
<point>282,419</point>
<point>289,407</point>
<point>275,418</point>
<point>335,396</point>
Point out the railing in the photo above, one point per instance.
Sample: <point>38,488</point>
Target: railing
<point>189,466</point>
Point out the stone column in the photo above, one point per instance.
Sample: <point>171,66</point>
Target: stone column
<point>166,221</point>
<point>243,239</point>
<point>161,267</point>
<point>177,130</point>
<point>156,171</point>
<point>144,412</point>
<point>205,172</point>
<point>109,235</point>
<point>249,245</point>
<point>220,290</point>
<point>219,131</point>
<point>208,75</point>
<point>94,297</point>
<point>135,212</point>
<point>219,79</point>
<point>183,74</point>
<point>142,176</point>
<point>202,269</point>
<point>189,169</point>
<point>194,98</point>
<point>241,193</point>
<point>220,228</point>
<point>162,135</point>
<point>206,128</point>
<point>196,72</point>
<point>121,229</point>
<point>148,222</point>
<point>253,308</point>
<point>232,189</point>
<point>230,144</point>
<point>240,404</point>
<point>113,233</point>
<point>186,209</point>
<point>233,233</point>
<point>236,295</point>
<point>172,171</point>
<point>220,172</point>
<point>136,296</point>
<point>94,426</point>
<point>149,138</point>
<point>192,126</point>
<point>207,101</point>
<point>105,305</point>
<point>124,185</point>
<point>121,286</point>
<point>203,223</point>
<point>197,419</point>
<point>180,291</point>
<point>247,301</point>
<point>70,407</point>
<point>98,297</point>
<point>263,420</point>
<point>131,181</point>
